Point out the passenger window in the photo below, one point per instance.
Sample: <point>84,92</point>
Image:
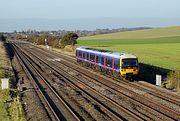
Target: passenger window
<point>83,55</point>
<point>102,60</point>
<point>86,56</point>
<point>97,59</point>
<point>92,57</point>
<point>116,63</point>
<point>109,62</point>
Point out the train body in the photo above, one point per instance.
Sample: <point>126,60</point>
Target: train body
<point>116,63</point>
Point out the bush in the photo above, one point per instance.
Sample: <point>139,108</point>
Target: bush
<point>55,43</point>
<point>69,39</point>
<point>173,80</point>
<point>2,37</point>
<point>69,48</point>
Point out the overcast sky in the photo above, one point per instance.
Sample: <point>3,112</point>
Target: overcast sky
<point>83,9</point>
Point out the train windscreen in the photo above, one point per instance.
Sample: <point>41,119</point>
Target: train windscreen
<point>130,62</point>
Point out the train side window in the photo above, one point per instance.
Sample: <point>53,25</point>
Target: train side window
<point>116,63</point>
<point>86,55</point>
<point>102,60</point>
<point>97,58</point>
<point>92,57</point>
<point>83,54</point>
<point>109,62</point>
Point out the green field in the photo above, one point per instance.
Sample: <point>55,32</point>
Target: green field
<point>162,51</point>
<point>139,34</point>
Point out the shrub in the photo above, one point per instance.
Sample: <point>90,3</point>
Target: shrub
<point>69,39</point>
<point>69,48</point>
<point>173,80</point>
<point>2,37</point>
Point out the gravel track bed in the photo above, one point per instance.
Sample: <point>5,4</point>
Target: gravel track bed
<point>33,108</point>
<point>169,93</point>
<point>157,108</point>
<point>78,101</point>
<point>120,99</point>
<point>101,111</point>
<point>74,73</point>
<point>81,101</point>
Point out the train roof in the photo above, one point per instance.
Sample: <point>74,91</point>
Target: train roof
<point>106,52</point>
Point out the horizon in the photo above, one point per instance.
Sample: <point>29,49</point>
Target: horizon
<point>10,25</point>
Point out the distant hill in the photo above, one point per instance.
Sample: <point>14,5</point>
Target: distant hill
<point>138,34</point>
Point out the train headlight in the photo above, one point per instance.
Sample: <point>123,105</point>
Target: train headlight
<point>123,69</point>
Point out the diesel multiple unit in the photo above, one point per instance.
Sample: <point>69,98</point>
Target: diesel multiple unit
<point>116,63</point>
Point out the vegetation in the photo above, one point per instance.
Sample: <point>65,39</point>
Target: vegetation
<point>56,42</point>
<point>3,62</point>
<point>40,39</point>
<point>69,39</point>
<point>10,106</point>
<point>173,80</point>
<point>139,34</point>
<point>2,37</point>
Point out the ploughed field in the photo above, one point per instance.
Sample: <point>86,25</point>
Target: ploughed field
<point>159,47</point>
<point>68,91</point>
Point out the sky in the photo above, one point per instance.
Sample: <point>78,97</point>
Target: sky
<point>82,10</point>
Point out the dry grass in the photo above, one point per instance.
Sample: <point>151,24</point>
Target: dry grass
<point>173,81</point>
<point>4,65</point>
<point>69,48</point>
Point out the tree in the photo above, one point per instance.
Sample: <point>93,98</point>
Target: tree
<point>2,37</point>
<point>69,39</point>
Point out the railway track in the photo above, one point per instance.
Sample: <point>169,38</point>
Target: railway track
<point>104,103</point>
<point>149,88</point>
<point>56,106</point>
<point>159,113</point>
<point>150,102</point>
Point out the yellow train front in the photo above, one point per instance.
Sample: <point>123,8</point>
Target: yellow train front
<point>116,63</point>
<point>128,65</point>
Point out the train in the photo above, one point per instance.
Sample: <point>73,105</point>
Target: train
<point>118,64</point>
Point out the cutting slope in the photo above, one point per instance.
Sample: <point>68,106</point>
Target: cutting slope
<point>138,34</point>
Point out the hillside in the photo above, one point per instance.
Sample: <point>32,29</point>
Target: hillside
<point>159,47</point>
<point>138,34</point>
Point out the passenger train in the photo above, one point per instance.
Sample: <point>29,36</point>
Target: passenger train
<point>116,63</point>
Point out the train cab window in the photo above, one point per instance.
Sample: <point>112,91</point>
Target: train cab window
<point>102,60</point>
<point>109,62</point>
<point>98,58</point>
<point>116,63</point>
<point>92,57</point>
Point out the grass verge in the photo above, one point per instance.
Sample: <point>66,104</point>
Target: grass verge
<point>10,106</point>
